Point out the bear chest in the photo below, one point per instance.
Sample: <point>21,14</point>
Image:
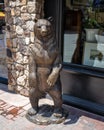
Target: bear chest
<point>43,56</point>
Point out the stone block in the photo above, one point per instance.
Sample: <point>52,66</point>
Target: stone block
<point>35,16</point>
<point>21,41</point>
<point>24,9</point>
<point>23,2</point>
<point>11,79</point>
<point>12,3</point>
<point>32,36</point>
<point>21,81</point>
<point>18,11</point>
<point>26,33</point>
<point>24,92</point>
<point>10,87</point>
<point>7,9</point>
<point>19,21</point>
<point>19,67</point>
<point>19,30</point>
<point>14,45</point>
<point>30,25</point>
<point>25,16</point>
<point>12,12</point>
<point>19,58</point>
<point>27,40</point>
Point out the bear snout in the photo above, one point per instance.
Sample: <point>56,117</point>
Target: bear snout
<point>43,30</point>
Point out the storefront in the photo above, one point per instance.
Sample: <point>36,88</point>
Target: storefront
<point>82,52</point>
<point>82,75</point>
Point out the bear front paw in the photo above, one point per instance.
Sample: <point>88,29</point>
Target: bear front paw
<point>52,80</point>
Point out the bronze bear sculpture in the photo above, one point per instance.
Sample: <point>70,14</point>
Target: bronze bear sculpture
<point>44,67</point>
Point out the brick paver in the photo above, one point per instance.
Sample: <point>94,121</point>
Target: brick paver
<point>12,115</point>
<point>11,112</point>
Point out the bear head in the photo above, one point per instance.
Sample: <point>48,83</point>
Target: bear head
<point>43,29</point>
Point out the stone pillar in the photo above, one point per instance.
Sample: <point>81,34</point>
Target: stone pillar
<point>20,15</point>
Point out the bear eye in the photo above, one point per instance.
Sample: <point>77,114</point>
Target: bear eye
<point>48,26</point>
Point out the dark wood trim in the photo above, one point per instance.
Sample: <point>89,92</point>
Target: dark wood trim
<point>3,80</point>
<point>60,21</point>
<point>57,21</point>
<point>83,104</point>
<point>86,70</point>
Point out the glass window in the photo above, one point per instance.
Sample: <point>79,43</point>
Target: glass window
<point>3,64</point>
<point>84,33</point>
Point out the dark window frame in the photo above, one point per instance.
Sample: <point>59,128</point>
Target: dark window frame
<point>83,69</point>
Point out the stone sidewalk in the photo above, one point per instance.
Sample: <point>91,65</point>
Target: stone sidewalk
<point>13,108</point>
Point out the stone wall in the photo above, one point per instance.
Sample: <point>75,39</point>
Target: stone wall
<point>20,16</point>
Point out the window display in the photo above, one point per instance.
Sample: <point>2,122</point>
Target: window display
<point>69,46</point>
<point>93,54</point>
<point>80,2</point>
<point>83,33</point>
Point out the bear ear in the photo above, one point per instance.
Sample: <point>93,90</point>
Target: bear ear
<point>50,19</point>
<point>35,20</point>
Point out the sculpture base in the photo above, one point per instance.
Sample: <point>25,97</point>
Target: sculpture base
<point>45,116</point>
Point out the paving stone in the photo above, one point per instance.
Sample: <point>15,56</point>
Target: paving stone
<point>14,111</point>
<point>15,118</point>
<point>7,107</point>
<point>10,109</point>
<point>22,114</point>
<point>14,108</point>
<point>1,92</point>
<point>2,103</point>
<point>21,124</point>
<point>76,128</point>
<point>4,123</point>
<point>20,111</point>
<point>10,117</point>
<point>27,107</point>
<point>1,111</point>
<point>14,99</point>
<point>99,127</point>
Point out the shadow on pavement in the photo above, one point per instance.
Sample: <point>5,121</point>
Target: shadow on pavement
<point>76,115</point>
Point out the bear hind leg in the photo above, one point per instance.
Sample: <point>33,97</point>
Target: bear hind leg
<point>57,98</point>
<point>34,96</point>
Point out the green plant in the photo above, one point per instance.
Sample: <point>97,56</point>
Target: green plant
<point>91,23</point>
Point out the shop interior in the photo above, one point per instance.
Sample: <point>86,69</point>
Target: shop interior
<point>84,33</point>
